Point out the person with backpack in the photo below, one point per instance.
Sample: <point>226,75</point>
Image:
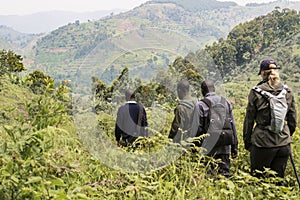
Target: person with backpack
<point>271,107</point>
<point>183,112</point>
<point>213,116</point>
<point>131,121</point>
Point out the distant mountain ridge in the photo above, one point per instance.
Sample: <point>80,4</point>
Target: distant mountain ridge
<point>198,5</point>
<point>61,52</point>
<point>12,39</point>
<point>45,22</point>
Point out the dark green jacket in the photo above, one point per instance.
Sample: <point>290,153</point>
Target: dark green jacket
<point>182,119</point>
<point>258,113</point>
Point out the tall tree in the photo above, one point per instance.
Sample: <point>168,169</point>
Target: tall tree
<point>10,62</point>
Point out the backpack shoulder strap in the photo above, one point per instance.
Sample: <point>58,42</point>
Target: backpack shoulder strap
<point>284,90</point>
<point>206,120</point>
<point>207,102</point>
<point>265,94</point>
<point>187,104</point>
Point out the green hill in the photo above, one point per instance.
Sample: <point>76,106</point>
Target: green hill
<point>273,35</point>
<point>4,44</point>
<point>156,30</point>
<point>14,39</point>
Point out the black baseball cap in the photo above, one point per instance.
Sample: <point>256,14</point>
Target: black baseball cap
<point>267,64</point>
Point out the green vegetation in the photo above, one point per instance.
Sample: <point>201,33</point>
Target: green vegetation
<point>64,50</point>
<point>14,38</point>
<point>10,62</point>
<point>260,36</point>
<point>42,156</point>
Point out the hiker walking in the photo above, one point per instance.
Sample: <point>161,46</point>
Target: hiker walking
<point>213,116</point>
<point>269,141</point>
<point>183,112</point>
<point>131,121</point>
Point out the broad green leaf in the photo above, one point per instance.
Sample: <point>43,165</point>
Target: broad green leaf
<point>58,182</point>
<point>34,179</point>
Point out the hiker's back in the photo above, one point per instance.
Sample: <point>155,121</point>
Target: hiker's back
<point>182,119</point>
<point>263,134</point>
<point>186,110</point>
<point>218,125</point>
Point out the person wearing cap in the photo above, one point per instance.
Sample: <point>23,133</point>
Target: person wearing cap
<point>268,149</point>
<point>200,125</point>
<point>182,112</point>
<point>131,121</point>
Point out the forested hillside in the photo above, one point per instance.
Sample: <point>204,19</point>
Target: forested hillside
<point>275,34</point>
<point>14,39</point>
<point>66,49</point>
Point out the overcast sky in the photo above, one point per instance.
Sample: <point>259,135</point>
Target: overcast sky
<point>20,7</point>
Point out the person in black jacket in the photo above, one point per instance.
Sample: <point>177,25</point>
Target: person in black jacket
<point>201,125</point>
<point>131,121</point>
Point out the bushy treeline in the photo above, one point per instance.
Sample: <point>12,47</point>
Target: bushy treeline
<point>249,40</point>
<point>161,89</point>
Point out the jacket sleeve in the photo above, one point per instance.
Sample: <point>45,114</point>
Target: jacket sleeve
<point>291,115</point>
<point>197,126</point>
<point>144,123</point>
<point>249,120</point>
<point>118,131</point>
<point>176,123</point>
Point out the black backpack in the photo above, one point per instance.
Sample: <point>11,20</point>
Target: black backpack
<point>218,124</point>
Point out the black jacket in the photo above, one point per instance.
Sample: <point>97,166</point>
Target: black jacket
<point>128,117</point>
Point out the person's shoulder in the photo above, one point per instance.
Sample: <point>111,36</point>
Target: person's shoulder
<point>201,102</point>
<point>140,105</point>
<point>288,89</point>
<point>121,109</point>
<point>262,84</point>
<point>226,99</point>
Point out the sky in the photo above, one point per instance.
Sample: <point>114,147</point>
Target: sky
<point>22,7</point>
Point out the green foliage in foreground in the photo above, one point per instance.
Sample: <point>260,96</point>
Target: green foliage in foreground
<point>42,157</point>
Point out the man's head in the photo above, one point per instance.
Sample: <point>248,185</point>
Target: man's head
<point>183,89</point>
<point>129,95</point>
<point>207,86</point>
<point>267,64</point>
